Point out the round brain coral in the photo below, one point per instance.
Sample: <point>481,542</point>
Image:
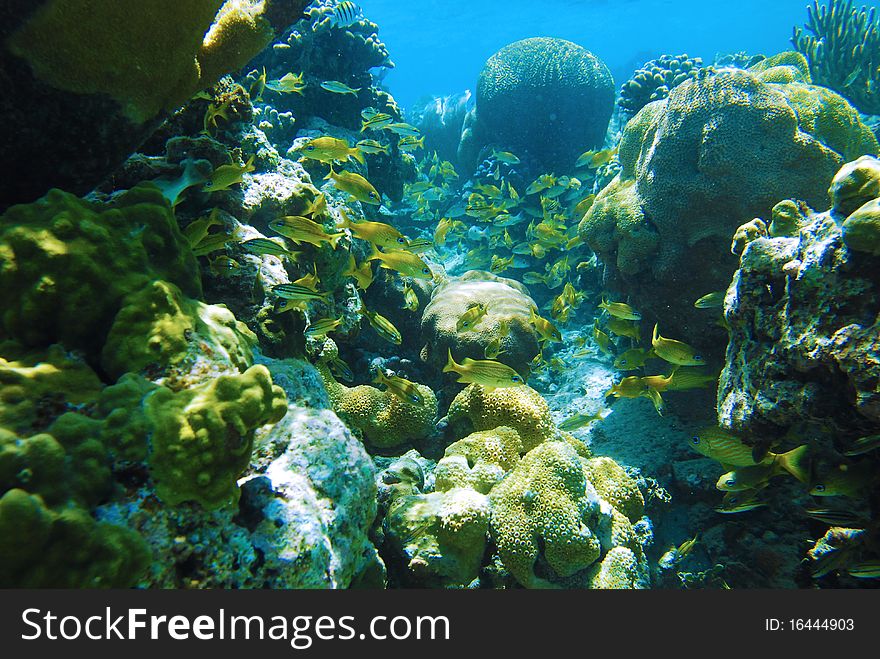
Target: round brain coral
<point>723,147</point>
<point>479,460</point>
<point>520,408</point>
<point>507,305</point>
<point>542,516</point>
<point>549,97</point>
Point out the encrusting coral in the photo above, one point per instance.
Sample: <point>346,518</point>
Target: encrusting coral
<point>479,461</point>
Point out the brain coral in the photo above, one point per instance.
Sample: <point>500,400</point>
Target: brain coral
<point>66,264</point>
<point>541,512</point>
<point>479,460</point>
<point>519,408</point>
<point>723,148</point>
<point>507,303</point>
<point>549,97</point>
<point>384,419</point>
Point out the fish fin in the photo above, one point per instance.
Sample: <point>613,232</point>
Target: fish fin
<point>655,337</point>
<point>374,255</point>
<point>357,155</point>
<point>796,462</point>
<point>450,363</point>
<point>330,174</point>
<point>335,238</point>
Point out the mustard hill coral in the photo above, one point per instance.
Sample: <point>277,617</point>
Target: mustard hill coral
<point>384,419</point>
<point>842,44</point>
<point>507,305</point>
<point>541,512</point>
<point>519,408</point>
<point>855,184</point>
<point>722,148</point>
<point>63,258</point>
<point>479,461</point>
<point>615,486</point>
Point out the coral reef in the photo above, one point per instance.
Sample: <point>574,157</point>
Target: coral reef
<point>479,461</point>
<point>548,97</point>
<point>723,147</point>
<point>508,307</point>
<point>654,79</point>
<point>104,73</point>
<point>842,44</point>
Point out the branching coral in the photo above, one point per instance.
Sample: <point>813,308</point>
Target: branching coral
<point>842,45</point>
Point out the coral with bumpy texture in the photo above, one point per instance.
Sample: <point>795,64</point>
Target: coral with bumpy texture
<point>384,419</point>
<point>442,534</point>
<point>722,148</point>
<point>479,461</point>
<point>804,333</point>
<point>63,258</point>
<point>520,408</point>
<point>159,327</point>
<point>654,79</point>
<point>202,437</point>
<point>615,486</point>
<point>842,45</point>
<point>548,97</point>
<point>507,305</point>
<point>541,511</point>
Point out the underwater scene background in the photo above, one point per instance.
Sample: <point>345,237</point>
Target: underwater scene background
<point>439,294</point>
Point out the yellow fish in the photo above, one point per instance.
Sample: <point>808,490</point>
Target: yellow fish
<point>336,87</point>
<point>405,390</point>
<point>378,233</point>
<point>711,300</point>
<point>627,328</point>
<point>847,480</point>
<point>225,176</point>
<point>499,264</point>
<point>363,274</point>
<point>729,450</point>
<point>658,383</point>
<point>740,502</point>
<point>410,299</point>
<point>298,293</point>
<point>264,246</point>
<point>602,340</point>
<point>629,387</point>
<point>633,359</point>
<point>547,330</point>
<point>584,205</point>
<point>656,399</point>
<point>258,86</point>
<point>355,185</point>
<point>212,113</point>
<point>688,378</point>
<point>471,317</point>
<point>675,352</point>
<point>580,420</point>
<point>303,230</point>
<point>487,373</point>
<point>620,310</point>
<point>224,266</point>
<point>197,230</point>
<point>322,327</point>
<point>288,84</point>
<point>493,348</point>
<point>310,280</point>
<point>384,327</point>
<point>327,149</point>
<point>403,262</point>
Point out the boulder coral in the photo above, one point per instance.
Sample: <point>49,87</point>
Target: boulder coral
<point>479,461</point>
<point>722,148</point>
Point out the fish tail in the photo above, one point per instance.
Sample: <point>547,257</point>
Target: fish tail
<point>796,462</point>
<point>375,254</point>
<point>655,337</point>
<point>357,155</point>
<point>450,363</point>
<point>330,174</point>
<point>335,238</point>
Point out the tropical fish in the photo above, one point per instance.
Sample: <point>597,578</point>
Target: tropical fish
<point>403,129</point>
<point>580,420</point>
<point>303,230</point>
<point>632,359</point>
<point>846,480</point>
<point>584,205</point>
<point>863,445</point>
<point>336,87</point>
<point>419,245</point>
<point>263,246</point>
<point>363,274</point>
<point>740,502</point>
<point>405,390</point>
<point>506,157</point>
<point>758,475</point>
<point>318,206</point>
<point>723,447</point>
<point>214,111</point>
<point>852,77</point>
<point>355,185</point>
<point>837,517</point>
<point>656,399</point>
<point>595,159</point>
<point>419,187</point>
<point>383,327</point>
<point>310,280</point>
<point>444,226</point>
<point>322,327</point>
<point>258,86</point>
<point>493,348</point>
<point>629,387</point>
<point>500,264</point>
<point>689,378</point>
<point>224,266</point>
<point>686,547</point>
<point>659,383</point>
<point>488,373</point>
<point>341,369</point>
<point>409,144</point>
<point>197,230</point>
<point>865,570</point>
<point>327,149</point>
<point>288,84</point>
<point>711,300</point>
<point>627,328</point>
<point>297,293</point>
<point>373,147</point>
<point>410,299</point>
<point>675,352</point>
<point>345,14</point>
<point>377,233</point>
<point>225,176</point>
<point>602,340</point>
<point>471,317</point>
<point>547,330</point>
<point>544,182</point>
<point>620,310</point>
<point>377,121</point>
<point>404,262</point>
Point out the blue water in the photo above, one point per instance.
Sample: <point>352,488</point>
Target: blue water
<point>439,46</point>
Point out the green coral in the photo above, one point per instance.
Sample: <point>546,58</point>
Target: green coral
<point>856,183</point>
<point>615,486</point>
<point>149,58</point>
<point>861,230</point>
<point>66,264</point>
<point>519,408</point>
<point>158,325</point>
<point>842,45</point>
<point>202,437</point>
<point>479,461</point>
<point>787,66</point>
<point>541,516</point>
<point>384,419</point>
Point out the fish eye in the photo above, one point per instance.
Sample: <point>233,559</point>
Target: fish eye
<point>414,399</point>
<point>730,482</point>
<point>310,148</point>
<point>402,241</point>
<point>695,440</point>
<point>426,271</point>
<point>516,378</point>
<point>819,488</point>
<point>373,195</point>
<point>699,358</point>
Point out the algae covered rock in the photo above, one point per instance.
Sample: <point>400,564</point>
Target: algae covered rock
<point>722,148</point>
<point>548,97</point>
